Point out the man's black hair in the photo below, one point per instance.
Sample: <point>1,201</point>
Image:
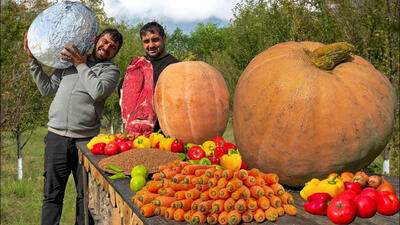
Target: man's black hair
<point>152,27</point>
<point>115,35</point>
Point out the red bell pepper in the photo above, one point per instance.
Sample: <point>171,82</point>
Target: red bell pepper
<point>317,207</point>
<point>319,197</point>
<point>219,151</point>
<point>318,203</point>
<point>214,160</point>
<point>228,146</point>
<point>196,153</point>
<point>354,186</point>
<point>219,141</point>
<point>177,146</point>
<point>243,166</point>
<point>98,148</point>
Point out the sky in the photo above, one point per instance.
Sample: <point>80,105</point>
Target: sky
<point>185,14</point>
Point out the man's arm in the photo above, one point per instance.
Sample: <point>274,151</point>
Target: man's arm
<point>99,86</point>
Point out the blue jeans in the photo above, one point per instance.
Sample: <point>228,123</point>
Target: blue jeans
<point>61,158</point>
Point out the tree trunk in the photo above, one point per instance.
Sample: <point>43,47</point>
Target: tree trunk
<point>111,128</point>
<point>386,156</point>
<point>19,149</point>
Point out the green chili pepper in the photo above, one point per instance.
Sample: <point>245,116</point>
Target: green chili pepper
<point>182,156</point>
<point>114,168</point>
<point>117,176</point>
<point>205,161</point>
<point>194,161</point>
<point>219,167</point>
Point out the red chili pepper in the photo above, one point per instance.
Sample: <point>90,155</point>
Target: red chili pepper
<point>177,146</point>
<point>98,148</point>
<point>228,146</point>
<point>219,141</point>
<point>196,153</point>
<point>219,151</point>
<point>354,186</point>
<point>214,160</point>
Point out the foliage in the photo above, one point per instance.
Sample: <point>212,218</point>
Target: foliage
<point>207,38</point>
<point>22,107</point>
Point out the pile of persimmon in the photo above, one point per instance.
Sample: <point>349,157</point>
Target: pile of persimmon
<point>201,194</point>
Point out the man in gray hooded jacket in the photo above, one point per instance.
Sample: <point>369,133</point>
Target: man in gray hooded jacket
<point>74,115</point>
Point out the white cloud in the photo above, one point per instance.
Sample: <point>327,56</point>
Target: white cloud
<point>174,10</point>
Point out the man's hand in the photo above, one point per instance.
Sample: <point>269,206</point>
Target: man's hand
<point>74,57</point>
<point>28,52</point>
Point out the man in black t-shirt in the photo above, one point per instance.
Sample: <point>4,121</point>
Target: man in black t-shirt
<point>154,39</point>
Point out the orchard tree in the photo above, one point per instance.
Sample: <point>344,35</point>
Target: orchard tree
<point>23,109</point>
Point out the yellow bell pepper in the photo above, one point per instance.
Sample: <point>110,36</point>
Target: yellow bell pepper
<point>141,142</point>
<point>333,186</point>
<point>309,188</point>
<point>232,160</point>
<point>101,138</point>
<point>165,143</point>
<point>155,138</point>
<point>208,147</point>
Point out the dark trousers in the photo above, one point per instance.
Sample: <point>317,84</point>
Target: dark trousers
<point>61,158</point>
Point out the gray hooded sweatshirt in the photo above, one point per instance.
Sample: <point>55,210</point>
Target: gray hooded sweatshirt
<point>81,92</point>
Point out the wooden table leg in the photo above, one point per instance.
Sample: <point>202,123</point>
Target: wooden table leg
<point>86,195</point>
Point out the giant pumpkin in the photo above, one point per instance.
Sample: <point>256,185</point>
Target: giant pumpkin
<point>305,109</point>
<point>192,102</point>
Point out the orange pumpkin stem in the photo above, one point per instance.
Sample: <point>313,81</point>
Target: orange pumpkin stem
<point>328,56</point>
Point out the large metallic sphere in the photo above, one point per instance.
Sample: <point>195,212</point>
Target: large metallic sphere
<point>61,25</point>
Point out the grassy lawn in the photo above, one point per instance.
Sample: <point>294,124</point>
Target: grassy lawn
<point>21,201</point>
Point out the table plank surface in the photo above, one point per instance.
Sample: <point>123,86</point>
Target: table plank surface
<point>121,186</point>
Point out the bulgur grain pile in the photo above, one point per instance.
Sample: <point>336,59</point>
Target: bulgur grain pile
<point>150,158</point>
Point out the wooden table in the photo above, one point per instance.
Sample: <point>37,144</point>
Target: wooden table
<point>109,201</point>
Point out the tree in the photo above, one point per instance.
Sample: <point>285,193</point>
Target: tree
<point>178,45</point>
<point>207,38</point>
<point>22,107</point>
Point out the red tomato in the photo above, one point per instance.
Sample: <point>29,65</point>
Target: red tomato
<point>388,203</point>
<point>196,153</point>
<point>348,194</point>
<point>111,148</point>
<point>354,186</point>
<point>341,210</point>
<point>120,141</point>
<point>130,143</point>
<point>124,147</point>
<point>370,192</point>
<point>366,206</point>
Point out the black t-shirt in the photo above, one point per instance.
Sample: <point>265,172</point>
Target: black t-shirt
<point>158,66</point>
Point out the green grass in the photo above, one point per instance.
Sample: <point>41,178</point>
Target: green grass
<point>21,200</point>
